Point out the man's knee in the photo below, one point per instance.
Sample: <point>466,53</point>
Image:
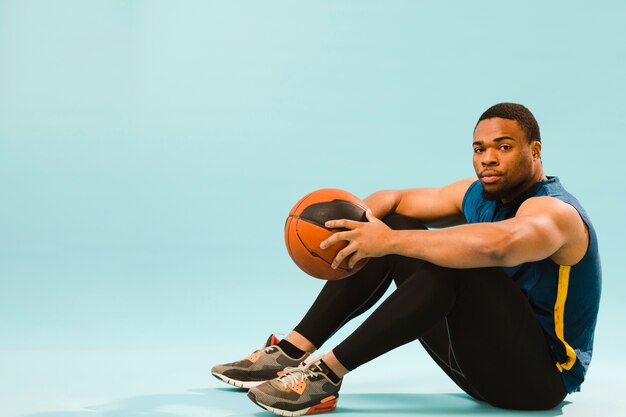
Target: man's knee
<point>400,222</point>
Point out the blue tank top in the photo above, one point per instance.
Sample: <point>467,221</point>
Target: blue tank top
<point>565,299</point>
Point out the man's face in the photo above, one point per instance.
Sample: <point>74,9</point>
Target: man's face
<point>503,158</point>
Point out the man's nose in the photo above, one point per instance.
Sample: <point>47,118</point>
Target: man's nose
<point>489,157</point>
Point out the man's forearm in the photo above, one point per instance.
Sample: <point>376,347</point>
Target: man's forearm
<point>467,246</point>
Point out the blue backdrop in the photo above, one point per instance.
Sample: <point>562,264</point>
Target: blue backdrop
<point>151,150</point>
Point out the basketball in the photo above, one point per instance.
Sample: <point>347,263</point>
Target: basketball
<point>304,231</point>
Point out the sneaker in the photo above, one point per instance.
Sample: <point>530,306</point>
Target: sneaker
<point>302,390</point>
<point>261,365</point>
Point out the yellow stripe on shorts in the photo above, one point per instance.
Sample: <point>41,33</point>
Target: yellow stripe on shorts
<point>559,313</point>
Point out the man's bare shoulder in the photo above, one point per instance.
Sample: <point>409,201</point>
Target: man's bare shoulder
<point>548,205</point>
<point>566,218</point>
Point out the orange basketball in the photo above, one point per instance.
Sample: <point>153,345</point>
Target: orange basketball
<point>304,231</point>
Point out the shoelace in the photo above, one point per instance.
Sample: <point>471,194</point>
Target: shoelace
<point>293,375</point>
<point>257,352</point>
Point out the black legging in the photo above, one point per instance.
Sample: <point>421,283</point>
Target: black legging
<point>475,323</point>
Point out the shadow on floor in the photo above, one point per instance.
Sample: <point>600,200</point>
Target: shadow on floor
<point>232,402</point>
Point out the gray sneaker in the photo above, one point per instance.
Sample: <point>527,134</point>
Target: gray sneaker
<point>302,390</point>
<point>261,365</point>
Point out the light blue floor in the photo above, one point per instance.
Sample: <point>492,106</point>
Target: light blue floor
<point>175,383</point>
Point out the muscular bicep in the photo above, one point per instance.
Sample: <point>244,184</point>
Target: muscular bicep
<point>542,227</point>
<point>435,206</point>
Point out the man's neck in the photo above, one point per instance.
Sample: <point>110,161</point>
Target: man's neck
<point>539,176</point>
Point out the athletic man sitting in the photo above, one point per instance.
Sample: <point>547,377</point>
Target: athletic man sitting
<point>505,304</point>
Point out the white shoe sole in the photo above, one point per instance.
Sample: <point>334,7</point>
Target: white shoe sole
<point>236,383</point>
<point>284,413</point>
<point>319,408</point>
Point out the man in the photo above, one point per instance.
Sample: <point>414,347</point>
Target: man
<point>505,304</point>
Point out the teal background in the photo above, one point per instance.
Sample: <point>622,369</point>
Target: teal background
<point>151,150</point>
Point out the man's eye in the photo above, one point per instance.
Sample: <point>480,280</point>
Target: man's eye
<point>505,147</point>
<point>477,150</point>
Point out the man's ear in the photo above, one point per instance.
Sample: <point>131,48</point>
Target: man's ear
<point>535,148</point>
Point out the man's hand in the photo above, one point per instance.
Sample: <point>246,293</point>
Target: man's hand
<point>365,239</point>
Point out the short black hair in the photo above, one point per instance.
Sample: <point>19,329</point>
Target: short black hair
<point>517,112</point>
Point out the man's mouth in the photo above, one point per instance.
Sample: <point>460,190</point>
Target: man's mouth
<point>490,177</point>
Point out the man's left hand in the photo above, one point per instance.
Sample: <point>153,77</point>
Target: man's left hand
<point>369,239</point>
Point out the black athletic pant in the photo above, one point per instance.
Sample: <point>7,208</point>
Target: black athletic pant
<point>475,323</point>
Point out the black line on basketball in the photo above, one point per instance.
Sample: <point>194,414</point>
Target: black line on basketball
<point>320,213</point>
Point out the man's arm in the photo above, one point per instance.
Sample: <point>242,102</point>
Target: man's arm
<point>432,206</point>
<point>543,227</point>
